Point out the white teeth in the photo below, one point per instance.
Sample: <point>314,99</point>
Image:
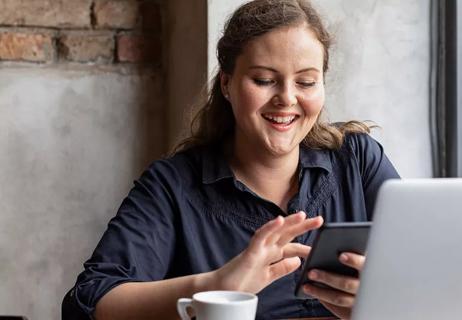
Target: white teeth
<point>281,120</point>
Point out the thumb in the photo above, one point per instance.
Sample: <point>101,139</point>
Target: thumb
<point>284,267</point>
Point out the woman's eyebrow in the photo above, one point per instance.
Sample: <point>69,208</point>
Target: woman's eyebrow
<point>308,69</point>
<point>275,71</point>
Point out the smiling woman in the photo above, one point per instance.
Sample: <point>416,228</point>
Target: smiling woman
<point>214,121</point>
<point>276,91</point>
<point>233,208</point>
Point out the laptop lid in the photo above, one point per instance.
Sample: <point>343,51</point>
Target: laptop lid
<point>413,268</point>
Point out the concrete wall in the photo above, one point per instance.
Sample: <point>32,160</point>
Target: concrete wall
<point>72,141</point>
<point>379,71</point>
<point>218,12</point>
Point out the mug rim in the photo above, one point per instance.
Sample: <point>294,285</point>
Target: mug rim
<point>249,297</point>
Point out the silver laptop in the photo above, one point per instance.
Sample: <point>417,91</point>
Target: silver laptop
<point>413,268</point>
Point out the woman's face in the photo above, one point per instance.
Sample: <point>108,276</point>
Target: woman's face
<point>276,90</point>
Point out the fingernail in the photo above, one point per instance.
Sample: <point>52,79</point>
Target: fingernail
<point>343,257</point>
<point>314,275</point>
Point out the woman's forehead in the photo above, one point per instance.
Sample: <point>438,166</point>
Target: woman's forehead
<point>296,47</point>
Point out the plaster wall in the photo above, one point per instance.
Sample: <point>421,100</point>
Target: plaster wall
<point>72,141</point>
<point>379,71</point>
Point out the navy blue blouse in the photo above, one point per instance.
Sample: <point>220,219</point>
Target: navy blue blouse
<point>188,214</point>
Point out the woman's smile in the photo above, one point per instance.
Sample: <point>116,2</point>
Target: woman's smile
<point>280,121</point>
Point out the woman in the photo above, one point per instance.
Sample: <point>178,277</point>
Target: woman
<point>234,207</point>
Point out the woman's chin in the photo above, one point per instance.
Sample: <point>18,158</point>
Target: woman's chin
<point>281,149</point>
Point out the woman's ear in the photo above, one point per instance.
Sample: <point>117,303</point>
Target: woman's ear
<point>224,82</point>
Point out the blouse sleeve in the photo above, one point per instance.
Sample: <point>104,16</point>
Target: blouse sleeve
<point>139,241</point>
<point>374,167</point>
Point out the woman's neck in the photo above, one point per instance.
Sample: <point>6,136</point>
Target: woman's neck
<point>273,177</point>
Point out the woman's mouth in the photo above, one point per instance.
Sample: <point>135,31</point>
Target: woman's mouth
<point>280,122</point>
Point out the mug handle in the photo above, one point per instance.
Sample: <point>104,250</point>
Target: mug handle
<point>181,306</point>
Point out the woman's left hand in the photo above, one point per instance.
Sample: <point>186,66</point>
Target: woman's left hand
<point>341,298</point>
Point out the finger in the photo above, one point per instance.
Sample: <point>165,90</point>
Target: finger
<point>336,281</point>
<point>289,222</point>
<point>283,267</point>
<point>332,296</point>
<point>296,250</point>
<point>267,229</point>
<point>299,229</point>
<point>290,250</point>
<point>353,260</point>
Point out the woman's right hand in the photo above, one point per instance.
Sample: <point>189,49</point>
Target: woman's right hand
<point>269,256</point>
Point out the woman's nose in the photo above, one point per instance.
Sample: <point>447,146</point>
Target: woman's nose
<point>285,97</point>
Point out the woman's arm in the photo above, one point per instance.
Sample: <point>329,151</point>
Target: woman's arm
<point>269,256</point>
<point>150,300</point>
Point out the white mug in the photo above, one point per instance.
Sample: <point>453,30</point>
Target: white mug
<point>219,305</point>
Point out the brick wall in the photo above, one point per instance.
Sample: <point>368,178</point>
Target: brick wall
<point>81,31</point>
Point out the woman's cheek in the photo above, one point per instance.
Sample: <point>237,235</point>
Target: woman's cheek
<point>254,99</point>
<point>313,103</point>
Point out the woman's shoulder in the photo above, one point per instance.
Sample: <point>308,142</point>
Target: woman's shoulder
<point>187,166</point>
<point>360,142</point>
<point>369,155</point>
<point>180,163</point>
<point>357,147</point>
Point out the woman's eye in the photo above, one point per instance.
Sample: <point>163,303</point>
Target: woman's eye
<point>307,84</point>
<point>263,82</point>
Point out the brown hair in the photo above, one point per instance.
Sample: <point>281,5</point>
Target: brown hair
<point>215,120</point>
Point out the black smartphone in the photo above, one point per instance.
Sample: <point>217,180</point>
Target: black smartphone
<point>331,240</point>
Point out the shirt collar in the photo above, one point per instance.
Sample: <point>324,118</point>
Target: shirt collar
<point>315,158</point>
<point>215,167</point>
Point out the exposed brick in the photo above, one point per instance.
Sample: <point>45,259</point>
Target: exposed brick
<point>18,46</point>
<point>150,15</point>
<point>118,14</point>
<point>46,13</point>
<point>86,47</point>
<point>138,48</point>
